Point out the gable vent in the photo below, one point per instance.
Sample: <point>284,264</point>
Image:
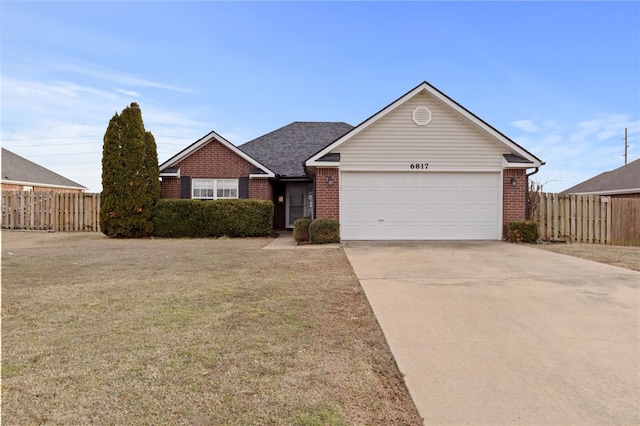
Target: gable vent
<point>421,116</point>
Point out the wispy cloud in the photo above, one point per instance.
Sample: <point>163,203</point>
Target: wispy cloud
<point>526,125</point>
<point>60,125</point>
<point>130,93</point>
<point>115,76</point>
<point>603,127</point>
<point>574,152</point>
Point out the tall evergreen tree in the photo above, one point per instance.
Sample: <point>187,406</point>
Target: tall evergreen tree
<point>130,185</point>
<point>151,169</point>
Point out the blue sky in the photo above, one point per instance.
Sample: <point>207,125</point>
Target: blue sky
<point>562,79</point>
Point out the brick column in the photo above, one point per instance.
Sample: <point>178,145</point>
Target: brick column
<point>327,193</point>
<point>514,198</point>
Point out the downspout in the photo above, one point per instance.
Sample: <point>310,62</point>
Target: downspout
<point>526,204</point>
<point>313,188</point>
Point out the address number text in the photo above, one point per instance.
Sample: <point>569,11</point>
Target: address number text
<point>419,166</point>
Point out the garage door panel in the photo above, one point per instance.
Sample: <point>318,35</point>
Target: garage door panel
<point>417,206</point>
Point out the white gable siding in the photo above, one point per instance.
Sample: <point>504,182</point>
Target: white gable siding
<point>394,142</point>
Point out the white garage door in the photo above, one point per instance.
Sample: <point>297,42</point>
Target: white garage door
<point>419,206</point>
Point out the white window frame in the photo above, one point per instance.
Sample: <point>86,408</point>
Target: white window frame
<point>228,188</point>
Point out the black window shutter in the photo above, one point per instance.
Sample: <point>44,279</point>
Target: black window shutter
<point>243,187</point>
<point>185,187</point>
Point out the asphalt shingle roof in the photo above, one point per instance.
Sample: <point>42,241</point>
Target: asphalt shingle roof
<point>284,150</point>
<point>19,169</point>
<point>624,178</point>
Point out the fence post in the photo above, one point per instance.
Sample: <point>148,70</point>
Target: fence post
<point>539,213</point>
<point>596,220</point>
<point>585,219</point>
<point>590,202</point>
<point>555,211</point>
<point>549,218</point>
<point>97,212</point>
<point>580,218</point>
<point>5,210</point>
<point>76,212</point>
<point>567,218</point>
<point>609,220</point>
<point>603,220</point>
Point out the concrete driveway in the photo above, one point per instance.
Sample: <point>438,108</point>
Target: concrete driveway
<point>497,333</point>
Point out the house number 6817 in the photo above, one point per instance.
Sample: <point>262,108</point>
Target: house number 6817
<point>419,166</point>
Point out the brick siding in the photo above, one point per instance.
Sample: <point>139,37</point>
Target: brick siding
<point>170,187</point>
<point>514,199</point>
<point>216,161</point>
<point>327,196</point>
<point>260,189</point>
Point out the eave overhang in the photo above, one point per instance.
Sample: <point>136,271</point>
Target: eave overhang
<point>47,185</point>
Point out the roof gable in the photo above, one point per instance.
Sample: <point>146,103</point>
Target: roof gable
<point>492,133</point>
<point>623,180</point>
<point>284,150</point>
<point>19,170</point>
<point>168,168</point>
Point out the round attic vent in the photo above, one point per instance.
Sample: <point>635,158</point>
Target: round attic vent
<point>421,116</point>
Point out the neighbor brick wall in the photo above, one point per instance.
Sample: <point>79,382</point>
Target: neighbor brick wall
<point>327,197</point>
<point>514,199</point>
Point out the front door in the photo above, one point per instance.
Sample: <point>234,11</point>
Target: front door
<point>299,202</point>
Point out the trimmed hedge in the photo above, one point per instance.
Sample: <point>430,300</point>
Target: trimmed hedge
<point>324,231</point>
<point>220,218</point>
<point>301,229</point>
<point>522,231</point>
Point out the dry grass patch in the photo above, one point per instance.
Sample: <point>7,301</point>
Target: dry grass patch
<point>102,331</point>
<point>622,256</point>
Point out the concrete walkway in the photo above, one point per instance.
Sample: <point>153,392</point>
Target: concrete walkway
<point>285,241</point>
<point>493,333</point>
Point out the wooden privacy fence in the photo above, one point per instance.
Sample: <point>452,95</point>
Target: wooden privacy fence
<point>625,221</point>
<point>588,219</point>
<point>57,211</point>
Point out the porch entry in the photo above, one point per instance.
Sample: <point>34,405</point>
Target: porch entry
<point>299,202</point>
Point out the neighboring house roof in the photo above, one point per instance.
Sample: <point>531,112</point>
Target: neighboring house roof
<point>623,180</point>
<point>520,155</point>
<point>17,170</point>
<point>169,167</point>
<point>286,148</point>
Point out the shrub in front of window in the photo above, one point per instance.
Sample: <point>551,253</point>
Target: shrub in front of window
<point>301,229</point>
<point>236,218</point>
<point>179,218</point>
<point>324,231</point>
<point>522,231</point>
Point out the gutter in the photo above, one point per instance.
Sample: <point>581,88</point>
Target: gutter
<point>526,204</point>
